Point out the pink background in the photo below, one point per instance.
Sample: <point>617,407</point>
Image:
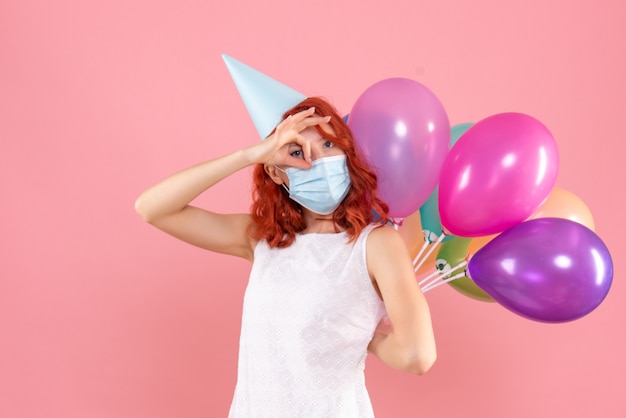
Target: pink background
<point>103,316</point>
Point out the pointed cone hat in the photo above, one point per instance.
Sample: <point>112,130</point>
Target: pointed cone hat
<point>265,98</point>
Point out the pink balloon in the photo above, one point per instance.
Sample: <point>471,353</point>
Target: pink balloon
<point>497,174</point>
<point>404,132</point>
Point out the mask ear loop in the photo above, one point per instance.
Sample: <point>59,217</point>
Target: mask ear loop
<point>284,171</point>
<point>297,205</point>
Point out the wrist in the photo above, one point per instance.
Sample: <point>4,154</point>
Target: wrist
<point>253,154</point>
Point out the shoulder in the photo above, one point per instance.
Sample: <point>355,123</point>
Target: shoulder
<point>385,247</point>
<point>382,235</point>
<point>385,242</point>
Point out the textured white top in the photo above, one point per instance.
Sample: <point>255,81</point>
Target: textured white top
<point>309,313</point>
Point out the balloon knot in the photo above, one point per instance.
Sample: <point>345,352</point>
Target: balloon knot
<point>395,222</point>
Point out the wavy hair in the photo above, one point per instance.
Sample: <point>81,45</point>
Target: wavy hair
<point>277,219</point>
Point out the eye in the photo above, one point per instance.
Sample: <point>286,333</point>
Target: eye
<point>328,144</point>
<point>295,150</point>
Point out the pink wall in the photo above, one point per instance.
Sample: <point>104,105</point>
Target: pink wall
<point>102,316</point>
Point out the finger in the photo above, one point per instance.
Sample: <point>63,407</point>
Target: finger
<point>296,117</point>
<point>311,121</point>
<point>283,124</point>
<point>297,162</point>
<point>302,161</point>
<point>303,114</point>
<point>306,148</point>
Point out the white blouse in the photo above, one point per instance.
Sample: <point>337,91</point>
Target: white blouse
<point>309,313</point>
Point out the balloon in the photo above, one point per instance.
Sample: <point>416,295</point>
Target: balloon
<point>496,175</point>
<point>451,254</point>
<point>403,131</point>
<point>563,204</point>
<point>429,211</point>
<point>548,269</point>
<point>457,130</point>
<point>411,232</point>
<point>431,223</point>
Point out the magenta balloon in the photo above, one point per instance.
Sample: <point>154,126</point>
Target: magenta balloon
<point>548,269</point>
<point>404,132</point>
<point>497,174</point>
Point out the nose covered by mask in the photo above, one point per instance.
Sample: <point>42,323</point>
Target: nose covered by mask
<point>322,188</point>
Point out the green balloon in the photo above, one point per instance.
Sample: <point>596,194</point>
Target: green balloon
<point>452,253</point>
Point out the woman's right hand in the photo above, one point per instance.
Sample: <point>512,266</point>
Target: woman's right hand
<point>167,206</point>
<point>277,149</point>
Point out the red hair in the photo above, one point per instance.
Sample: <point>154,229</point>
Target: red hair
<point>277,219</point>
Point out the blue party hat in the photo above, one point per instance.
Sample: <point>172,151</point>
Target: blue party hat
<point>265,98</point>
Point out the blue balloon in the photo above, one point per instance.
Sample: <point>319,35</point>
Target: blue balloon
<point>429,211</point>
<point>457,130</point>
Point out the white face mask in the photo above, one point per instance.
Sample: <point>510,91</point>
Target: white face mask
<point>322,188</point>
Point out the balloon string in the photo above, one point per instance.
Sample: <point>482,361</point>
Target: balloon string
<point>437,273</point>
<point>433,285</point>
<point>430,251</point>
<point>419,254</point>
<point>427,278</point>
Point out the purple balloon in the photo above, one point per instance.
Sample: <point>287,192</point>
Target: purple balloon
<point>548,269</point>
<point>497,174</point>
<point>404,132</point>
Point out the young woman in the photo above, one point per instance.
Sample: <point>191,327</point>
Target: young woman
<point>325,272</point>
